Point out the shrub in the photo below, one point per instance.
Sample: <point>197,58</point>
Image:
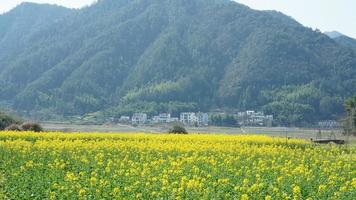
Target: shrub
<point>14,127</point>
<point>178,129</point>
<point>6,120</point>
<point>32,127</point>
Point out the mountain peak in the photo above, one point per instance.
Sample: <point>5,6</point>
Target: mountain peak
<point>333,34</point>
<point>32,5</point>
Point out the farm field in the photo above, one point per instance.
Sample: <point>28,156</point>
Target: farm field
<point>159,166</point>
<point>115,128</point>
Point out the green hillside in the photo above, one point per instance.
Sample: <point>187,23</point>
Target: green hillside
<point>122,56</point>
<point>347,42</point>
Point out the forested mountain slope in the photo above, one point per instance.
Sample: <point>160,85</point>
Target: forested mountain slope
<point>122,56</point>
<point>347,42</point>
<point>342,39</point>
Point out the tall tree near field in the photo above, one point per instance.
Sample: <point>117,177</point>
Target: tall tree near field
<point>350,107</point>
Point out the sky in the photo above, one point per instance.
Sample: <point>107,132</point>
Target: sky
<point>325,15</point>
<point>6,5</point>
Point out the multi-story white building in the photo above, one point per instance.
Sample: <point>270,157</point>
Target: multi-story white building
<point>191,119</point>
<point>188,118</point>
<point>164,118</point>
<point>202,119</point>
<point>139,118</point>
<point>252,118</point>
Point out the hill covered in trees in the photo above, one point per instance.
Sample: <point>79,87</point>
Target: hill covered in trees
<point>347,42</point>
<point>342,39</point>
<point>121,56</point>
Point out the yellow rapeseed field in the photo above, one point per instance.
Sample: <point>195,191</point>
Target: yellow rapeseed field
<point>149,166</point>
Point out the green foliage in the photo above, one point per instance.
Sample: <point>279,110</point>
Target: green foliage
<point>32,127</point>
<point>350,120</point>
<point>223,120</point>
<point>347,42</point>
<point>7,120</point>
<point>178,129</point>
<point>121,57</point>
<point>14,127</point>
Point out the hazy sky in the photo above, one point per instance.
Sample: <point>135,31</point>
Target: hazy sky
<point>326,15</point>
<point>6,5</point>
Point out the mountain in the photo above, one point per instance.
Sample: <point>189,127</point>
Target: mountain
<point>342,39</point>
<point>333,34</point>
<point>120,56</point>
<point>346,42</point>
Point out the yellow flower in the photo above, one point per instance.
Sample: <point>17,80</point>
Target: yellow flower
<point>353,182</point>
<point>139,196</point>
<point>29,164</point>
<point>321,188</point>
<point>159,166</point>
<point>93,180</point>
<point>245,181</point>
<point>193,184</point>
<point>268,197</point>
<point>52,195</point>
<point>70,176</point>
<point>82,192</point>
<point>279,179</point>
<point>107,169</point>
<point>343,189</point>
<point>244,197</point>
<point>296,190</point>
<point>116,191</point>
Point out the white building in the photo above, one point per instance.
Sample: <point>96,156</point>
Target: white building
<point>139,118</point>
<point>188,118</point>
<point>202,119</point>
<point>124,118</point>
<point>192,119</point>
<point>329,124</point>
<point>252,118</point>
<point>164,118</point>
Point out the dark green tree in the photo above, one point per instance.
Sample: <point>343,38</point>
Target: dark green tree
<point>178,129</point>
<point>350,121</point>
<point>7,120</point>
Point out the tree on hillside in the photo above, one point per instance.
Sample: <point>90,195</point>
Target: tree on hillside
<point>223,120</point>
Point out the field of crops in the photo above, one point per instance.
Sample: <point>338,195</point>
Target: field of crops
<point>148,166</point>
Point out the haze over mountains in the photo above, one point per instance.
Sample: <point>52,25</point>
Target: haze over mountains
<point>342,39</point>
<point>123,56</point>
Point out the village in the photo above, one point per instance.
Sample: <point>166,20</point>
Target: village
<point>246,118</point>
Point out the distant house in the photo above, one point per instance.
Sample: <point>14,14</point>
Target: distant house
<point>252,118</point>
<point>329,124</point>
<point>192,119</point>
<point>164,118</point>
<point>139,118</point>
<point>124,119</point>
<point>188,118</point>
<point>202,119</point>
